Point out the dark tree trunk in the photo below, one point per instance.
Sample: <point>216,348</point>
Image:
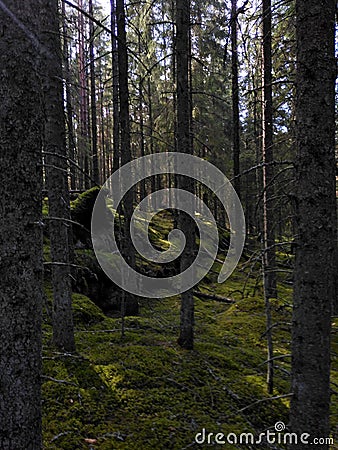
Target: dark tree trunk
<point>315,266</point>
<point>186,337</point>
<point>83,140</point>
<point>151,137</point>
<point>96,174</point>
<point>104,150</point>
<point>115,70</point>
<point>127,246</point>
<point>142,140</point>
<point>235,97</point>
<point>69,101</point>
<point>141,118</point>
<point>57,178</point>
<point>269,252</point>
<point>21,121</point>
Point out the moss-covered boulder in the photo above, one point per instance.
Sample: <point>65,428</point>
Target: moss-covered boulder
<point>90,280</point>
<point>82,207</point>
<point>81,211</point>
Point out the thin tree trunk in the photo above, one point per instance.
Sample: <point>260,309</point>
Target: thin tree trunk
<point>235,97</point>
<point>115,70</point>
<point>151,137</point>
<point>142,143</point>
<point>104,149</point>
<point>57,179</point>
<point>21,121</point>
<point>315,265</point>
<point>96,174</point>
<point>269,252</point>
<point>89,181</point>
<point>69,101</point>
<point>141,114</point>
<point>186,337</point>
<point>131,306</point>
<point>83,141</point>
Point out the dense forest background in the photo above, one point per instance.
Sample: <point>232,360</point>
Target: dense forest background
<point>248,86</point>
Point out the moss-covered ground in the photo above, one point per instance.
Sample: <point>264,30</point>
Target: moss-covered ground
<point>144,392</point>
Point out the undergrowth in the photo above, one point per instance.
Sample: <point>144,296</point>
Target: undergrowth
<point>144,392</point>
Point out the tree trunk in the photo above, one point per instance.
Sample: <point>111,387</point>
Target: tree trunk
<point>142,140</point>
<point>57,178</point>
<point>269,252</point>
<point>141,120</point>
<point>315,265</point>
<point>104,164</point>
<point>127,246</point>
<point>115,70</point>
<point>151,136</point>
<point>69,101</point>
<point>235,97</point>
<point>83,139</point>
<point>96,174</point>
<point>21,120</point>
<point>186,224</point>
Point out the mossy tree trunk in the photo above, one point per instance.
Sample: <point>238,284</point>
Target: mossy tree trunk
<point>57,178</point>
<point>21,122</point>
<point>315,265</point>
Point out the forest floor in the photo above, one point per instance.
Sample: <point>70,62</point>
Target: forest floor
<point>142,391</point>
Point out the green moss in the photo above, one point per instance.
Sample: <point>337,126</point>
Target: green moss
<point>81,212</point>
<point>85,312</point>
<point>144,392</point>
<point>45,208</point>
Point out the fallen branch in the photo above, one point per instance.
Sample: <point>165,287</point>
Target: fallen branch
<point>218,298</point>
<point>64,433</point>
<point>59,381</point>
<point>57,263</point>
<point>288,355</point>
<point>277,397</point>
<point>63,219</point>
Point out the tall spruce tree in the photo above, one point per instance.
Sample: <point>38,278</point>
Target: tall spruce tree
<point>21,120</point>
<point>57,178</point>
<point>96,173</point>
<point>269,252</point>
<point>235,98</point>
<point>186,337</point>
<point>315,266</point>
<point>131,306</point>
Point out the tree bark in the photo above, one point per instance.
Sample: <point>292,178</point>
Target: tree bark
<point>315,265</point>
<point>235,98</point>
<point>21,298</point>
<point>185,222</point>
<point>69,100</point>
<point>127,246</point>
<point>84,128</point>
<point>57,178</point>
<point>115,70</point>
<point>269,252</point>
<point>96,174</point>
